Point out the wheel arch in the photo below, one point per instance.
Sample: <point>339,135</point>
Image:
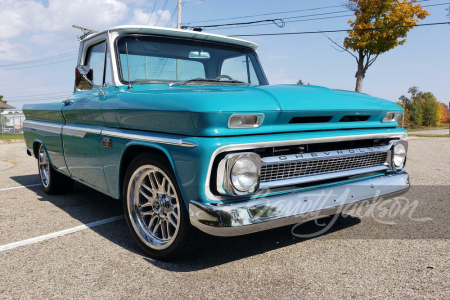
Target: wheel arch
<point>134,149</point>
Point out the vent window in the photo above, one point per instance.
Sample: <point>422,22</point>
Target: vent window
<point>303,120</point>
<point>354,118</point>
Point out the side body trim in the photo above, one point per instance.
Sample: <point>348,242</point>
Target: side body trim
<point>81,130</point>
<point>43,126</point>
<point>148,138</point>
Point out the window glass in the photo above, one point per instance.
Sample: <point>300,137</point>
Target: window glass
<point>162,59</point>
<point>145,68</point>
<point>237,67</point>
<point>108,72</point>
<point>96,59</point>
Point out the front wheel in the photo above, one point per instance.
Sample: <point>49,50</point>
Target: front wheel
<point>155,210</point>
<point>52,181</point>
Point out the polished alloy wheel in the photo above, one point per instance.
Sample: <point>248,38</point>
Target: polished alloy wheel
<point>44,167</point>
<point>153,206</point>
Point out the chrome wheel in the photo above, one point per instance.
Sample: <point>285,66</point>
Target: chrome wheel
<point>44,167</point>
<point>153,207</point>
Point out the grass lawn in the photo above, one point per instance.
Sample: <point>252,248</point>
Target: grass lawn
<point>431,135</point>
<point>412,127</point>
<point>10,136</point>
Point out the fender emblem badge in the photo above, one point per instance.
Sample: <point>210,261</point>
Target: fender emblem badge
<point>107,142</point>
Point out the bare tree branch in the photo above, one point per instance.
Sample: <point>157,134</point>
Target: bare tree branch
<point>342,48</point>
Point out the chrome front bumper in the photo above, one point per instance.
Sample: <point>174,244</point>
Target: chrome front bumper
<point>275,211</point>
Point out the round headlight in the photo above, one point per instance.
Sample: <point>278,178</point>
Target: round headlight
<point>244,174</point>
<point>399,155</point>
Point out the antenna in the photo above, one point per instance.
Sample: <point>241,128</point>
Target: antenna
<point>86,31</point>
<point>128,67</point>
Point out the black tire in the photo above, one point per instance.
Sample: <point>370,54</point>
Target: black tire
<point>186,239</point>
<point>52,181</point>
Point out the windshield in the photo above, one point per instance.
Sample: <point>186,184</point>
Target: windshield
<point>157,59</point>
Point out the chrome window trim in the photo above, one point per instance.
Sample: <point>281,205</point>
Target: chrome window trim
<point>43,126</point>
<point>249,146</point>
<point>151,139</point>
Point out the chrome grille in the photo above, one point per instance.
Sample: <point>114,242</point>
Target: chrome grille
<point>295,169</point>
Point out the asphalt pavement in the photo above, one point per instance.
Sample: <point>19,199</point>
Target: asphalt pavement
<point>378,256</point>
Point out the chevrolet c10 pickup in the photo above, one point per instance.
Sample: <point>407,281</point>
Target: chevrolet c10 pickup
<point>184,128</point>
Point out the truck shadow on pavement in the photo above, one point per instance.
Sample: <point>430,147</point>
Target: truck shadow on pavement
<point>87,205</point>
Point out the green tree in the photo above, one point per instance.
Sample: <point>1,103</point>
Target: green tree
<point>3,101</point>
<point>416,112</point>
<point>300,82</point>
<point>379,26</point>
<point>430,110</point>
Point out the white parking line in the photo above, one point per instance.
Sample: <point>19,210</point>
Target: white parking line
<point>19,187</point>
<point>59,233</point>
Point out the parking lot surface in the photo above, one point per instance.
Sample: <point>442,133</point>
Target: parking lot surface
<point>407,256</point>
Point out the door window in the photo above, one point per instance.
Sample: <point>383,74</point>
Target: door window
<point>96,59</point>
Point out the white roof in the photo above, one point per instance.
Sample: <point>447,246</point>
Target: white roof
<point>176,33</point>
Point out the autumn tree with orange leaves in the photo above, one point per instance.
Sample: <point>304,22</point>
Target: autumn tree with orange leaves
<point>379,26</point>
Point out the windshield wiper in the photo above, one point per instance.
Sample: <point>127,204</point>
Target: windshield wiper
<point>190,80</point>
<point>205,80</point>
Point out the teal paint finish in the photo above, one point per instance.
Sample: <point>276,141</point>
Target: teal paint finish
<point>204,110</point>
<point>48,112</point>
<point>198,114</point>
<point>191,164</point>
<point>53,145</point>
<point>84,153</point>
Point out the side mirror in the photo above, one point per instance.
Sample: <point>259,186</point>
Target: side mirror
<point>80,82</point>
<point>83,79</point>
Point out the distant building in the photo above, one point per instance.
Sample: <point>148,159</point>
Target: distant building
<point>11,121</point>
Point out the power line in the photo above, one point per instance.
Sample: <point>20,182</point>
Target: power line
<point>151,15</point>
<point>31,96</point>
<point>314,19</point>
<point>41,99</point>
<point>173,15</point>
<point>33,87</point>
<point>339,30</point>
<point>41,59</point>
<point>267,14</point>
<point>56,62</point>
<point>277,13</point>
<point>164,7</point>
<point>252,23</point>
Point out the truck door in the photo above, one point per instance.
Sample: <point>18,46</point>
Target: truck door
<point>82,139</point>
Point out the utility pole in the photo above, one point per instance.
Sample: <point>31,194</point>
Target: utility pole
<point>179,27</point>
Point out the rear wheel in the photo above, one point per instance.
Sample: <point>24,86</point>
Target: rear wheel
<point>52,181</point>
<point>155,210</point>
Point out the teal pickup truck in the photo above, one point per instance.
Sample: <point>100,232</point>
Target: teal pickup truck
<point>185,129</point>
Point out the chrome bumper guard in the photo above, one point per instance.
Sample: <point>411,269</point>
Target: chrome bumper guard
<point>276,211</point>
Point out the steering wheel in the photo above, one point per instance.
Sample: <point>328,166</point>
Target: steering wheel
<point>223,76</point>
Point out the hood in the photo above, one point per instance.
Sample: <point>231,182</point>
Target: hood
<point>204,110</point>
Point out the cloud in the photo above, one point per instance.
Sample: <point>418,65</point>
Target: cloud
<point>142,18</point>
<point>13,51</point>
<point>58,16</point>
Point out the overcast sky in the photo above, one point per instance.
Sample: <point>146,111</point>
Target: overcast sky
<point>35,29</point>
